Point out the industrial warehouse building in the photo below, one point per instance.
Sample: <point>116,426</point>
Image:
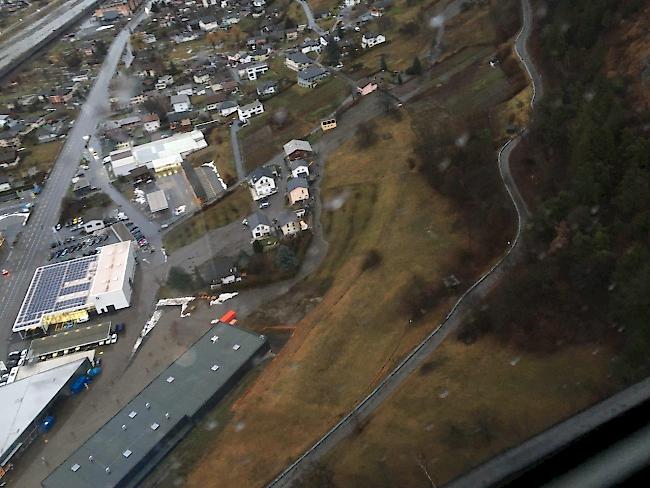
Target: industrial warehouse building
<point>125,449</point>
<point>68,291</point>
<point>159,155</point>
<point>28,400</point>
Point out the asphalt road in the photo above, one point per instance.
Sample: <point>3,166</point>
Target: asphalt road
<point>453,319</point>
<point>310,18</point>
<point>38,31</point>
<point>31,251</point>
<point>236,151</point>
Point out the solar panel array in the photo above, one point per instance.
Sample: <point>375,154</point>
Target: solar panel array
<point>48,286</point>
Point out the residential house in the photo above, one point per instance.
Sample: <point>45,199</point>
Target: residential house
<point>299,167</point>
<point>180,103</point>
<point>259,225</point>
<point>60,95</point>
<point>379,7</point>
<point>209,23</point>
<point>366,86</point>
<point>186,89</point>
<point>297,149</point>
<point>310,46</point>
<point>297,190</point>
<point>261,54</point>
<point>351,3</point>
<point>5,184</point>
<point>309,77</point>
<point>227,108</point>
<point>262,183</point>
<point>288,223</point>
<point>181,121</point>
<point>79,78</point>
<point>245,112</point>
<point>138,98</point>
<point>252,70</point>
<point>6,121</point>
<point>164,81</point>
<point>230,19</point>
<point>267,88</point>
<point>48,132</point>
<point>291,34</point>
<point>212,101</point>
<point>201,77</point>
<point>151,122</point>
<point>370,39</point>
<point>297,61</point>
<point>9,158</point>
<point>10,138</point>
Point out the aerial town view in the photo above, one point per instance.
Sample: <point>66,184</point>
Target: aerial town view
<point>324,243</point>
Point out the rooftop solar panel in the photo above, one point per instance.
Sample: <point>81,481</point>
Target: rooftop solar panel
<point>49,287</point>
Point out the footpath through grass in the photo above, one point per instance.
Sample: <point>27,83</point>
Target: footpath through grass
<point>233,206</point>
<point>360,327</point>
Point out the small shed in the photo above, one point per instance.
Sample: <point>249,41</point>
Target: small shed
<point>157,201</point>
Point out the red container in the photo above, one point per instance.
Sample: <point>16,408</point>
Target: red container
<point>228,317</point>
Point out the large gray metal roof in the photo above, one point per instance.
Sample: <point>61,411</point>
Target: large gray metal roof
<point>159,410</point>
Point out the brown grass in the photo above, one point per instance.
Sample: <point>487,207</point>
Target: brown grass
<point>40,157</point>
<point>305,107</point>
<point>490,406</point>
<point>219,151</point>
<point>233,206</point>
<point>340,349</point>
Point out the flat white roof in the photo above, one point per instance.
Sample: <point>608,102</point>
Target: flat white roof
<point>157,201</point>
<point>167,149</point>
<point>111,268</point>
<point>24,400</point>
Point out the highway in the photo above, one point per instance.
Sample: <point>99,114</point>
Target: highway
<point>20,44</point>
<point>454,318</point>
<point>34,244</point>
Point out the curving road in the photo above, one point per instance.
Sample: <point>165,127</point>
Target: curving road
<point>34,244</point>
<point>454,318</point>
<point>311,21</point>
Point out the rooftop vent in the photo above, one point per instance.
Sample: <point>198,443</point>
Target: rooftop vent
<point>133,414</point>
<point>75,467</point>
<point>214,367</point>
<point>236,347</point>
<point>170,379</point>
<point>154,426</point>
<point>127,453</point>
